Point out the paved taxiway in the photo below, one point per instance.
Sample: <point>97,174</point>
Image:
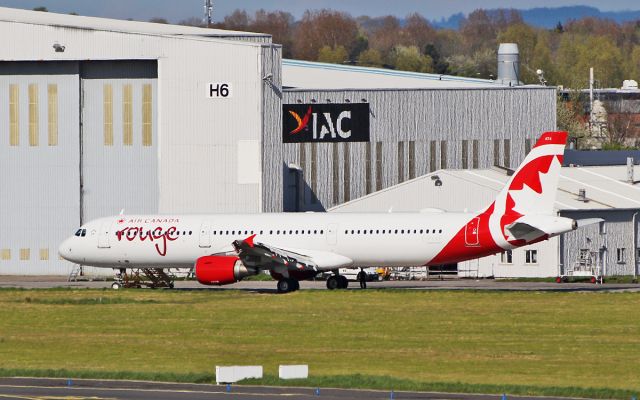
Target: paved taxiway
<point>46,389</point>
<point>45,282</point>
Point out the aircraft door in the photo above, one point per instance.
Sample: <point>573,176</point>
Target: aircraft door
<point>332,234</point>
<point>105,234</point>
<point>471,235</point>
<point>205,234</point>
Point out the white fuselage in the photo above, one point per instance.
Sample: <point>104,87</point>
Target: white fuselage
<point>393,239</point>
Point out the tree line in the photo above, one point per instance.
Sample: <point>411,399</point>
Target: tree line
<point>564,53</point>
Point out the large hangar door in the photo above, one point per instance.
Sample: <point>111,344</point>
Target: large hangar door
<point>39,178</point>
<point>119,137</point>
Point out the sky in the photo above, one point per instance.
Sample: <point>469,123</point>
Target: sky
<point>176,10</point>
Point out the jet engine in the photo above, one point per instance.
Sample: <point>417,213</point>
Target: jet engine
<point>221,270</point>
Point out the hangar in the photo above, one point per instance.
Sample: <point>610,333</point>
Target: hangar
<point>101,115</point>
<point>418,123</point>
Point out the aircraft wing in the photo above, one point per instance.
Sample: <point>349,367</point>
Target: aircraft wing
<point>263,256</point>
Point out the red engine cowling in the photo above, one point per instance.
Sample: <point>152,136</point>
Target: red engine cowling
<point>220,270</point>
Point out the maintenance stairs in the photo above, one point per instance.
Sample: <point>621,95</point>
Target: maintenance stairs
<point>150,277</point>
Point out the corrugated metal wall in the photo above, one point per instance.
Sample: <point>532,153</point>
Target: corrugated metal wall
<point>272,94</point>
<point>39,158</point>
<point>604,241</point>
<point>432,123</point>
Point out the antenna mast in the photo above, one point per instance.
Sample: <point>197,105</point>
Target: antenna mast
<point>208,12</point>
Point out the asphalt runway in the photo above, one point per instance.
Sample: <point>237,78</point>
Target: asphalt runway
<point>47,282</point>
<point>49,389</point>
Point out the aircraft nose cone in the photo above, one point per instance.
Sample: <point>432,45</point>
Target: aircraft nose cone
<point>65,250</point>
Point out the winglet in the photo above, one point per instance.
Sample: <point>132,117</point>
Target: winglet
<point>249,240</point>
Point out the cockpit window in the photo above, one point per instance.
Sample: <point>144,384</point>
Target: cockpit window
<point>84,233</point>
<point>78,232</point>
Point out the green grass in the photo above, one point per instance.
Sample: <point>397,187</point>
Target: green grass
<point>566,344</point>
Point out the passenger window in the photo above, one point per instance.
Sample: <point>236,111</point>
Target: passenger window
<point>322,232</point>
<point>440,231</point>
<point>190,232</point>
<point>261,232</point>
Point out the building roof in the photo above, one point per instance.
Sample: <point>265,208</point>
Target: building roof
<point>472,190</point>
<point>105,24</point>
<point>314,75</point>
<point>599,157</point>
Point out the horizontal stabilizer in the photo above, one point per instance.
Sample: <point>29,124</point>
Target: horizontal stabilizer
<point>530,227</point>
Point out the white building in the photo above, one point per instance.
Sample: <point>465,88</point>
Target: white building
<point>97,115</point>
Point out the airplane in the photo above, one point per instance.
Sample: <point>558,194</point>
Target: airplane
<point>224,249</point>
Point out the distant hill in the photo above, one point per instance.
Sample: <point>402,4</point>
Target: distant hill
<point>549,17</point>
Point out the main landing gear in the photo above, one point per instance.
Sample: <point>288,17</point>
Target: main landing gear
<point>337,282</point>
<point>287,285</point>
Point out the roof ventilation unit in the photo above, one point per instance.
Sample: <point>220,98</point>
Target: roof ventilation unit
<point>509,64</point>
<point>582,195</point>
<point>630,177</point>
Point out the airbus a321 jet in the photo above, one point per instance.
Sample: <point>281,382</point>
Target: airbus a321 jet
<point>297,246</point>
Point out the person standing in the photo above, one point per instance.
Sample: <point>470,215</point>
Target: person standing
<point>362,277</point>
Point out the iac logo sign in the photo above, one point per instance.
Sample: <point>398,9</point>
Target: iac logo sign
<point>325,123</point>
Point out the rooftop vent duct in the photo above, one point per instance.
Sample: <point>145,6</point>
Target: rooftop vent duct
<point>509,64</point>
<point>630,177</point>
<point>582,195</point>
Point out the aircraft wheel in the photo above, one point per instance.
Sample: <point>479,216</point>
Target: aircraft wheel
<point>171,285</point>
<point>333,282</point>
<point>116,285</point>
<point>285,286</point>
<point>344,282</point>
